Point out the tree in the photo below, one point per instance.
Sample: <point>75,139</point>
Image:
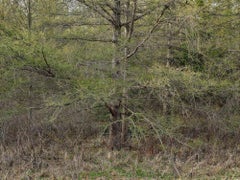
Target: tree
<point>122,17</point>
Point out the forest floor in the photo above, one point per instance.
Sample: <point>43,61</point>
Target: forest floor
<point>90,160</point>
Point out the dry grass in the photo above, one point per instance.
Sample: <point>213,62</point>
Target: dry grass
<point>90,160</point>
<point>73,149</point>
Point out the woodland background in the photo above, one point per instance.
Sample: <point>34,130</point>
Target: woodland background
<point>119,88</point>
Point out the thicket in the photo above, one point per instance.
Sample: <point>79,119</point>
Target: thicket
<point>62,75</point>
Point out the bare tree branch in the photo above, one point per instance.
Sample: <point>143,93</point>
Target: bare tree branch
<point>131,28</point>
<point>103,14</point>
<point>38,70</point>
<point>45,60</point>
<point>136,18</point>
<point>104,10</point>
<point>158,21</point>
<point>84,39</point>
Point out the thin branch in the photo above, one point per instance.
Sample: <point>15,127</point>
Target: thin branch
<point>101,13</point>
<point>84,39</point>
<point>110,6</point>
<point>133,20</point>
<point>71,24</point>
<point>45,60</point>
<point>38,70</point>
<point>136,18</point>
<point>104,10</point>
<point>158,21</point>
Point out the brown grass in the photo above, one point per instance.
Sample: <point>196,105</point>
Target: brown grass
<point>74,149</point>
<point>62,159</point>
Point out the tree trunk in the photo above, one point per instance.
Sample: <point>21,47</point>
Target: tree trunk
<point>29,15</point>
<point>127,35</point>
<point>169,43</point>
<point>115,130</point>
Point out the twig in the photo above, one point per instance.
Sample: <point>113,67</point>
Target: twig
<point>155,26</point>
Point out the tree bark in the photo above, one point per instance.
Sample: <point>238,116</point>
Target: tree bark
<point>115,130</point>
<point>29,15</point>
